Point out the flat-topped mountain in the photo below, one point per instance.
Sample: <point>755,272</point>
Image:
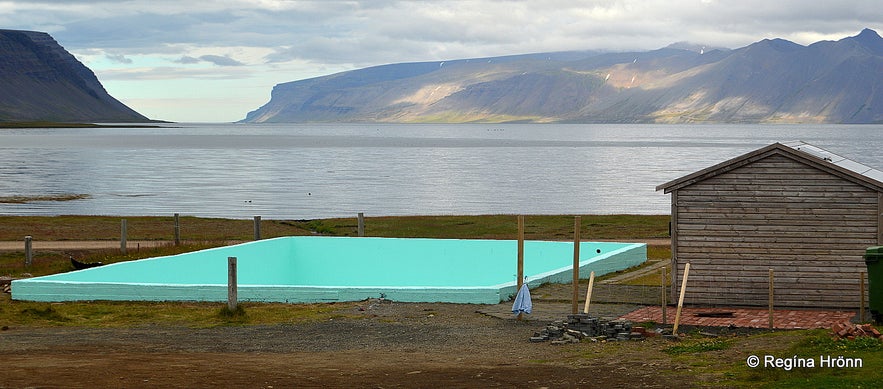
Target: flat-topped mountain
<point>770,81</point>
<point>41,81</point>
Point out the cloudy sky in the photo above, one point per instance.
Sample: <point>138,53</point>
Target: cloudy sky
<point>214,61</point>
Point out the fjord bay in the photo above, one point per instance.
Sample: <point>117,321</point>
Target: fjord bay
<point>303,171</point>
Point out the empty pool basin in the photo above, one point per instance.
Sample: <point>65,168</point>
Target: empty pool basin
<point>324,269</point>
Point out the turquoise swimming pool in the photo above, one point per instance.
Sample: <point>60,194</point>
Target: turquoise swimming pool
<point>324,269</point>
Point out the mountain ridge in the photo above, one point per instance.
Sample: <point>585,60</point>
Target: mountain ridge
<point>41,81</point>
<point>769,81</point>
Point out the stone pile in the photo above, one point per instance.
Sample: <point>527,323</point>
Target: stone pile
<point>6,284</point>
<point>582,326</point>
<point>851,331</point>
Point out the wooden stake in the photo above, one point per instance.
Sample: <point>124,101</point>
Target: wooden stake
<point>589,292</point>
<point>520,256</point>
<point>361,224</point>
<point>257,228</point>
<point>29,253</point>
<point>177,231</point>
<point>861,311</point>
<point>232,289</point>
<point>574,306</point>
<point>123,233</point>
<point>664,302</point>
<point>674,330</point>
<point>771,299</point>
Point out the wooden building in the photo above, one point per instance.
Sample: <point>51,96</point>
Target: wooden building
<point>804,212</point>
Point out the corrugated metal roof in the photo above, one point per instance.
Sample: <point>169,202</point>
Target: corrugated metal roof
<point>835,159</point>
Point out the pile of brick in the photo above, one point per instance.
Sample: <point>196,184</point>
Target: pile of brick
<point>851,331</point>
<point>6,284</point>
<point>582,326</point>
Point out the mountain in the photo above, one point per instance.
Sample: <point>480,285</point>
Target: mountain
<point>770,81</point>
<point>41,81</point>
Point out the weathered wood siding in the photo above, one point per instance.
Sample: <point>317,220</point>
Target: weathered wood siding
<point>808,225</point>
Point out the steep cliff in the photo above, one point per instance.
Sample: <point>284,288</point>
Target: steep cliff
<point>772,80</point>
<point>41,81</point>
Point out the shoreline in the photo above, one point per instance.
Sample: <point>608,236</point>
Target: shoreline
<point>41,124</point>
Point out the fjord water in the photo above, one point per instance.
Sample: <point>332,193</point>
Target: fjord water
<point>301,171</point>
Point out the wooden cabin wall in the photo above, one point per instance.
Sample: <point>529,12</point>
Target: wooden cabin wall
<point>808,225</point>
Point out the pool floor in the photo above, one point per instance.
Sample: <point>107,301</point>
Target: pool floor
<point>325,269</point>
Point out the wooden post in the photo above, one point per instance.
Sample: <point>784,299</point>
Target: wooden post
<point>29,254</point>
<point>232,290</point>
<point>361,229</point>
<point>520,257</point>
<point>123,233</point>
<point>664,302</point>
<point>257,228</point>
<point>574,306</point>
<point>674,330</point>
<point>771,298</point>
<point>589,292</point>
<point>177,231</point>
<point>861,291</point>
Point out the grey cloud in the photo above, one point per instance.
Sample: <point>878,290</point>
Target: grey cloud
<point>221,60</point>
<point>187,60</point>
<point>118,58</point>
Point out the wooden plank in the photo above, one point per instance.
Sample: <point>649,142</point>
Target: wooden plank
<point>787,193</point>
<point>675,241</point>
<point>779,186</point>
<point>702,202</point>
<point>766,239</point>
<point>722,264</point>
<point>879,218</point>
<point>747,217</point>
<point>772,227</point>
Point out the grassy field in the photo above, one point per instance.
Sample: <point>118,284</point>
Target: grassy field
<point>541,227</point>
<point>201,233</point>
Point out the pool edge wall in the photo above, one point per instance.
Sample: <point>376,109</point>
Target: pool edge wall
<point>41,289</point>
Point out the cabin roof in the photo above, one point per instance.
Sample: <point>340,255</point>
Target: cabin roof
<point>797,150</point>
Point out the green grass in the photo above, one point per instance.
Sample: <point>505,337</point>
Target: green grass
<point>123,314</point>
<point>809,344</point>
<point>540,227</point>
<point>698,346</point>
<point>47,262</point>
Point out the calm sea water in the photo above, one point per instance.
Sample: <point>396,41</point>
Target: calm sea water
<point>296,171</point>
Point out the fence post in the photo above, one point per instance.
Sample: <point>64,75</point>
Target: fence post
<point>257,228</point>
<point>361,229</point>
<point>177,231</point>
<point>664,302</point>
<point>771,298</point>
<point>29,254</point>
<point>861,311</point>
<point>123,233</point>
<point>574,305</point>
<point>232,291</point>
<point>520,269</point>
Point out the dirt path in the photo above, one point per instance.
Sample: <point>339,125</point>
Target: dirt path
<point>80,244</point>
<point>404,345</point>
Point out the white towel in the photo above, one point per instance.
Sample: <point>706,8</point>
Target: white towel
<point>522,301</point>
